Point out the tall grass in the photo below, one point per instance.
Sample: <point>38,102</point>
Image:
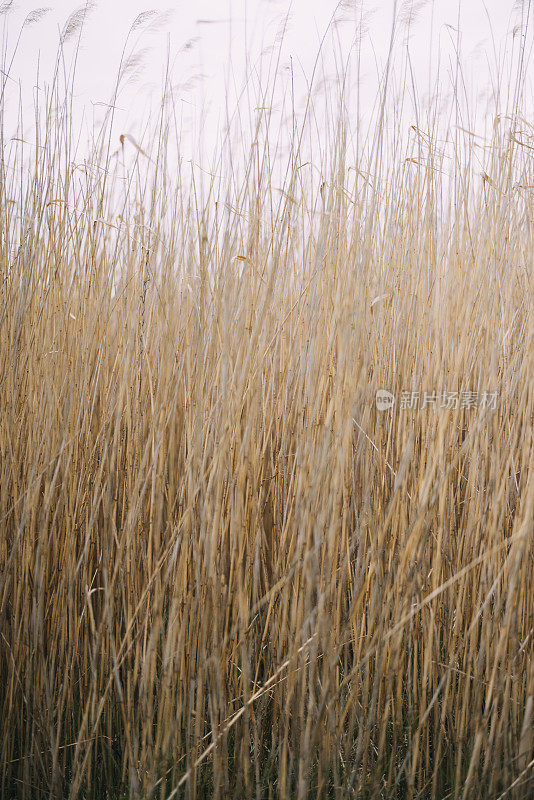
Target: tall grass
<point>224,571</point>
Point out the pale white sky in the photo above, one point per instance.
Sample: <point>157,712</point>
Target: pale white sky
<point>206,37</point>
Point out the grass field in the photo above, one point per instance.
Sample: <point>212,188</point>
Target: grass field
<point>224,571</point>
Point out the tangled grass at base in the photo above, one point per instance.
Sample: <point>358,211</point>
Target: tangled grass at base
<point>224,572</point>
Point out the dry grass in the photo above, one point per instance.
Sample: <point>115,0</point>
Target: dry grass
<point>224,572</point>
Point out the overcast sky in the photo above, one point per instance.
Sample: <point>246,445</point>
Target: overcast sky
<point>213,44</point>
